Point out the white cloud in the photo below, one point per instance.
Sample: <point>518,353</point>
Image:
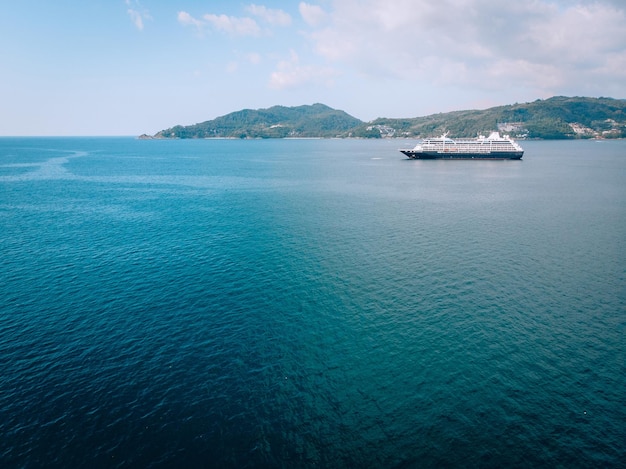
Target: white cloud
<point>136,18</point>
<point>186,19</point>
<point>313,15</point>
<point>137,14</point>
<point>579,34</point>
<point>484,43</point>
<point>273,17</point>
<point>237,26</point>
<point>290,74</point>
<point>542,47</point>
<point>254,58</point>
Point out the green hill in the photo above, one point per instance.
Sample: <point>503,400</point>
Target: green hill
<point>554,118</point>
<point>316,120</point>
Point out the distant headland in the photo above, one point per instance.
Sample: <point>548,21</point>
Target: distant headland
<point>558,117</point>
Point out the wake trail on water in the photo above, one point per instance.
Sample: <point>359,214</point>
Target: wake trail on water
<point>52,168</point>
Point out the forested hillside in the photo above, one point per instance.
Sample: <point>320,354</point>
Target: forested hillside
<point>316,120</point>
<point>554,118</point>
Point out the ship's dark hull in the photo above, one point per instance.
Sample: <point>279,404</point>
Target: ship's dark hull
<point>421,155</point>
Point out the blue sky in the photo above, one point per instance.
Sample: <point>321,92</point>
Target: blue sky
<point>125,67</point>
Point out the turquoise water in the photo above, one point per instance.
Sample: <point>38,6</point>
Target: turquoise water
<point>310,303</point>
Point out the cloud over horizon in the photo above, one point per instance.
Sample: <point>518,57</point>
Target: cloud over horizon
<point>477,42</point>
<point>137,13</point>
<point>370,57</point>
<point>273,17</point>
<point>543,46</point>
<point>238,25</point>
<point>290,73</point>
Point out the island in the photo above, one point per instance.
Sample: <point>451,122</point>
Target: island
<point>559,117</point>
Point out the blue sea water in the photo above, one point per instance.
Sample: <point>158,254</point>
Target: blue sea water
<point>310,303</point>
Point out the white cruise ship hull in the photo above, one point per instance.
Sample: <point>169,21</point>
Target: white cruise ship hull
<point>494,147</point>
<point>423,155</point>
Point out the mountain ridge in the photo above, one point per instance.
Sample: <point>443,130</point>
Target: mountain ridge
<point>316,120</point>
<point>559,117</point>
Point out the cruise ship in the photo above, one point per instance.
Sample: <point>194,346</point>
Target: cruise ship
<point>496,146</point>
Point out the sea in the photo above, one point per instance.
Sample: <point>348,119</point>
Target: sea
<point>310,304</point>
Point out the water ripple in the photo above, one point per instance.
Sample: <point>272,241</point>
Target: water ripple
<point>182,304</point>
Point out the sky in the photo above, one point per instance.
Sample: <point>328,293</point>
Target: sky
<point>127,67</point>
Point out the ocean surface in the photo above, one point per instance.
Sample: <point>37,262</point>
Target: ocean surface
<point>310,303</point>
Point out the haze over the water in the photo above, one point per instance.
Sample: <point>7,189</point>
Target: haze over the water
<point>125,67</point>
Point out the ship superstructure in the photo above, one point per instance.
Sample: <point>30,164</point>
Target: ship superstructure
<point>495,146</point>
